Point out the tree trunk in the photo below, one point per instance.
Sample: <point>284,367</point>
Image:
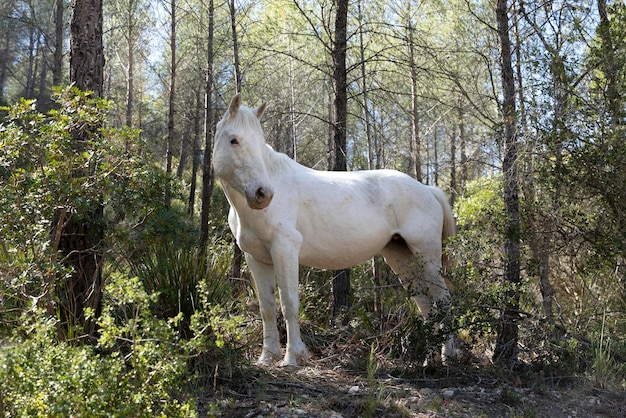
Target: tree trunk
<point>610,68</point>
<point>130,77</point>
<point>86,50</point>
<point>415,144</point>
<point>435,158</point>
<point>233,28</point>
<point>32,48</point>
<point>43,94</point>
<point>184,150</point>
<point>172,95</point>
<point>461,179</point>
<point>463,146</point>
<point>6,53</point>
<point>506,345</point>
<point>195,150</point>
<point>341,278</point>
<point>453,180</point>
<point>81,234</point>
<point>57,67</point>
<point>207,174</point>
<point>237,253</point>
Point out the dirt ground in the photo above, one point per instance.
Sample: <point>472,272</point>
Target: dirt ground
<point>332,387</point>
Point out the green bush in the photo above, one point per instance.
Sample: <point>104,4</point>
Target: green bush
<point>43,377</point>
<point>155,283</point>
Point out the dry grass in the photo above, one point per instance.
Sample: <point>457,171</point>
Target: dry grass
<point>352,376</point>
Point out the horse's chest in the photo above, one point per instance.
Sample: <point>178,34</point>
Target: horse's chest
<point>250,242</point>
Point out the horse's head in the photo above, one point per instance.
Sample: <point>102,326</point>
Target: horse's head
<point>238,153</point>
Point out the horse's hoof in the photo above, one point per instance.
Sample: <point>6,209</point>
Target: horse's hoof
<point>267,359</point>
<point>264,363</point>
<point>284,365</point>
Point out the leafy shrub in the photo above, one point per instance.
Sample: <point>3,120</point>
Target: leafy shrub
<point>43,377</point>
<point>44,172</point>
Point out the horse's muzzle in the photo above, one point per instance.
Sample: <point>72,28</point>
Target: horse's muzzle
<point>259,197</point>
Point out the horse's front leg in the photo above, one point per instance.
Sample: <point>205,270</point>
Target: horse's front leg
<point>285,254</point>
<point>264,280</point>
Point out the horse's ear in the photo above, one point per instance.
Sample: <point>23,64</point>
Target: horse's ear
<point>260,110</point>
<point>234,105</point>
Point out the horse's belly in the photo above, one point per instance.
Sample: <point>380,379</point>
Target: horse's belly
<point>333,262</point>
<point>340,252</point>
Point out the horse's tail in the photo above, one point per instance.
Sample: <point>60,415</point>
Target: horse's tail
<point>449,225</point>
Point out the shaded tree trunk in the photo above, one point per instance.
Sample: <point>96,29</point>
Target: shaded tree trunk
<point>195,150</point>
<point>237,253</point>
<point>207,166</point>
<point>184,150</point>
<point>57,67</point>
<point>79,235</point>
<point>130,60</point>
<point>86,48</point>
<point>341,278</point>
<point>7,52</point>
<point>172,93</point>
<point>463,146</point>
<point>458,180</point>
<point>506,349</point>
<point>43,93</point>
<point>415,143</point>
<point>30,76</point>
<point>453,168</point>
<point>233,28</point>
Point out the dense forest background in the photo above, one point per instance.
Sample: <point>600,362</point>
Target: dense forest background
<point>515,109</point>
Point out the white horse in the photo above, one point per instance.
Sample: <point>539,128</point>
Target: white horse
<point>284,214</point>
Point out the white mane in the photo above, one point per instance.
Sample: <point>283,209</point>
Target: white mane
<point>275,160</point>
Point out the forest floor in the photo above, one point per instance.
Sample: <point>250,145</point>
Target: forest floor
<point>346,382</point>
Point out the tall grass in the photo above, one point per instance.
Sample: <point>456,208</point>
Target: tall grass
<point>607,372</point>
<point>174,273</point>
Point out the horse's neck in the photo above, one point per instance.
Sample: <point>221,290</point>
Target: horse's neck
<point>278,163</point>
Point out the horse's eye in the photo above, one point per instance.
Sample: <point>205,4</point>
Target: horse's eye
<point>234,141</point>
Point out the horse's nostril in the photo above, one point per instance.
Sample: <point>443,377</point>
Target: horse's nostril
<point>260,198</point>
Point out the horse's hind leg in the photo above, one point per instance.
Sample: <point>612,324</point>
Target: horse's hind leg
<point>264,280</point>
<point>419,273</point>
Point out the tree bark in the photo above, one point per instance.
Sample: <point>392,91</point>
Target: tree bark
<point>207,166</point>
<point>195,150</point>
<point>130,78</point>
<point>79,235</point>
<point>172,93</point>
<point>506,349</point>
<point>415,144</point>
<point>7,54</point>
<point>233,28</point>
<point>57,67</point>
<point>30,75</point>
<point>341,278</point>
<point>86,48</point>
<point>237,253</point>
<point>184,150</point>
